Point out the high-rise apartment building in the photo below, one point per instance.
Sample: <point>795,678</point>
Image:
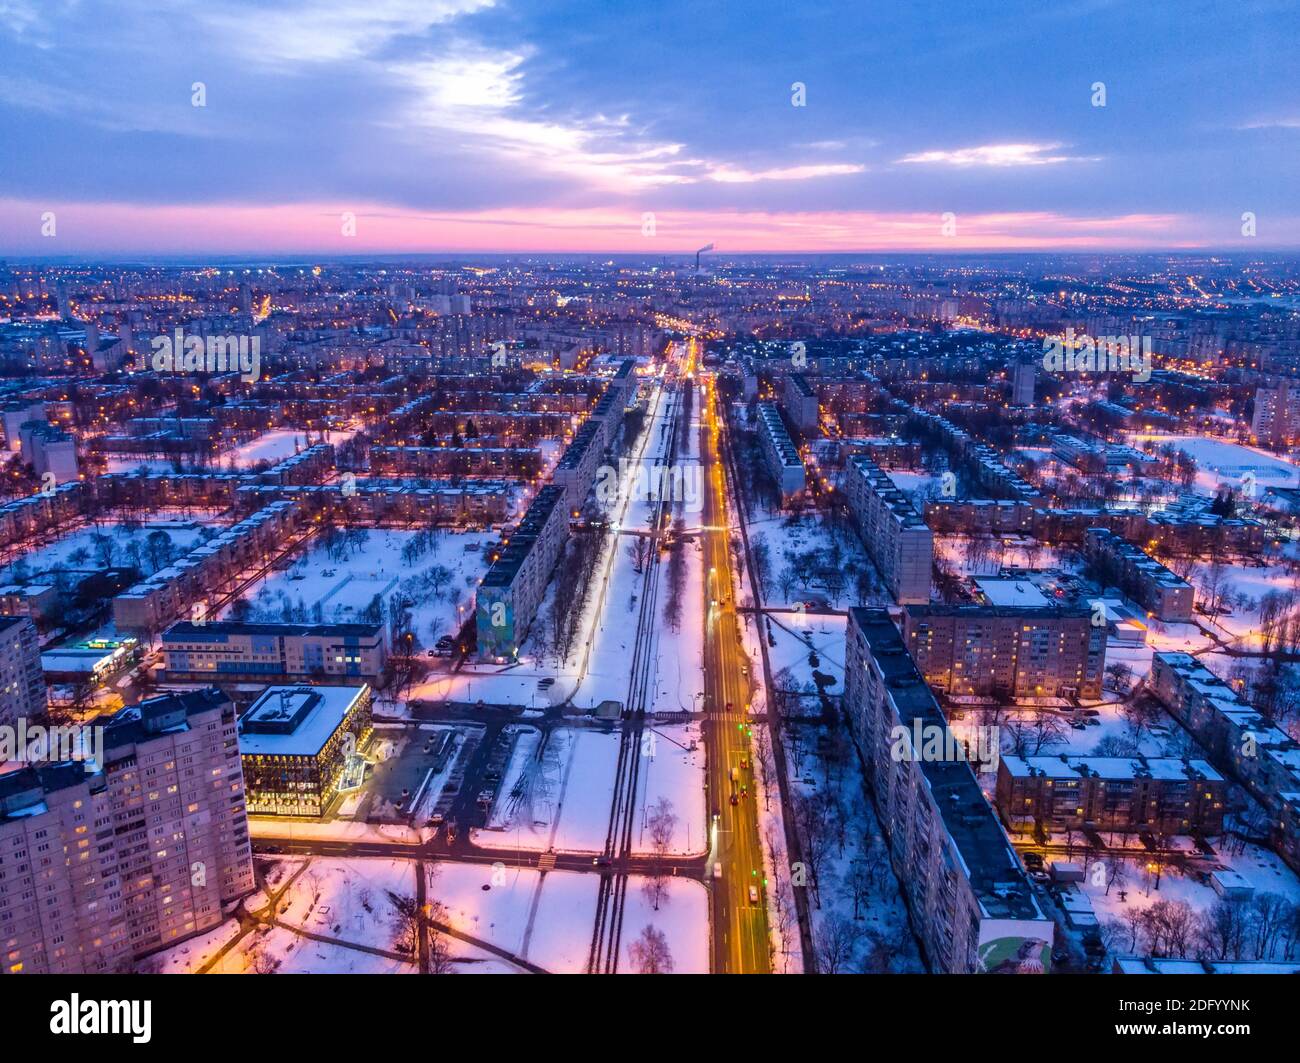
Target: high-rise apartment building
<point>22,684</point>
<point>895,535</point>
<point>971,904</point>
<point>1007,651</point>
<point>102,862</point>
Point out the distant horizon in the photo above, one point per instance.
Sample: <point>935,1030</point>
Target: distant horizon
<point>680,258</point>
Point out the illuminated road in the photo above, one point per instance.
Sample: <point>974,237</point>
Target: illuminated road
<point>740,930</point>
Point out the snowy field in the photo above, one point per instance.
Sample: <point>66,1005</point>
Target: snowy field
<point>548,919</point>
<point>347,898</point>
<point>566,803</point>
<point>338,582</point>
<point>1224,464</point>
<point>798,635</point>
<point>87,549</point>
<point>272,446</point>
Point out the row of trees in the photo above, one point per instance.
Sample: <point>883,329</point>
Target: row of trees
<point>1265,927</point>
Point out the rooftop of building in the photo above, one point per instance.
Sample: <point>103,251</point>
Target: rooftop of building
<point>189,631</point>
<point>995,873</point>
<point>1064,766</point>
<point>295,721</point>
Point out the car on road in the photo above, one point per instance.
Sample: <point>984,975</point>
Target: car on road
<point>753,894</point>
<point>717,869</point>
<point>1033,861</point>
<point>735,800</point>
<point>485,797</point>
<point>436,819</point>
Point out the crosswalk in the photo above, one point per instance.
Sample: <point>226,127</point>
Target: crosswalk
<point>546,862</point>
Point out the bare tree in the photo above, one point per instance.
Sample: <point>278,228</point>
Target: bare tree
<point>834,944</point>
<point>649,952</point>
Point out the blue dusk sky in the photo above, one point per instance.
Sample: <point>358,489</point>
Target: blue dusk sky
<point>655,126</point>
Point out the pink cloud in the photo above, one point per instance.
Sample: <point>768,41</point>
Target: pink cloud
<point>316,228</point>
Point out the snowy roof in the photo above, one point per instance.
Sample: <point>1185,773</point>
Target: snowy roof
<point>295,721</point>
<point>1011,592</point>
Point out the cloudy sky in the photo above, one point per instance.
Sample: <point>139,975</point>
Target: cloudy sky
<point>536,125</point>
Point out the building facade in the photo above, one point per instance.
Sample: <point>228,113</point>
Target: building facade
<point>1160,795</point>
<point>295,745</point>
<point>898,540</point>
<point>969,898</point>
<point>1007,651</point>
<point>230,651</point>
<point>103,863</point>
<point>22,682</point>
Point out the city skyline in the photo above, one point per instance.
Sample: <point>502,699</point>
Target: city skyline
<point>469,127</point>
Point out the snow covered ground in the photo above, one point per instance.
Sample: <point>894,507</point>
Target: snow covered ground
<point>797,635</point>
<point>567,803</point>
<point>1225,464</point>
<point>852,891</point>
<point>121,545</point>
<point>273,446</point>
<point>548,919</point>
<point>339,581</point>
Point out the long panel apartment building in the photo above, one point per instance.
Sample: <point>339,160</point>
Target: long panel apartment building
<point>970,901</point>
<point>780,455</point>
<point>515,584</point>
<point>1241,742</point>
<point>898,540</point>
<point>1007,651</point>
<point>230,651</point>
<point>1141,577</point>
<point>101,863</point>
<point>800,402</point>
<point>1161,795</point>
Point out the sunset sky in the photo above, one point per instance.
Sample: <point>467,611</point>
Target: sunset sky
<point>549,125</point>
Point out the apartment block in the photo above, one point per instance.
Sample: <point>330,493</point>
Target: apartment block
<point>970,902</point>
<point>101,866</point>
<point>779,452</point>
<point>1142,578</point>
<point>1277,413</point>
<point>978,516</point>
<point>209,568</point>
<point>230,651</point>
<point>800,404</point>
<point>576,469</point>
<point>898,540</point>
<point>1240,742</point>
<point>1160,795</point>
<point>514,586</point>
<point>22,683</point>
<point>1007,651</point>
